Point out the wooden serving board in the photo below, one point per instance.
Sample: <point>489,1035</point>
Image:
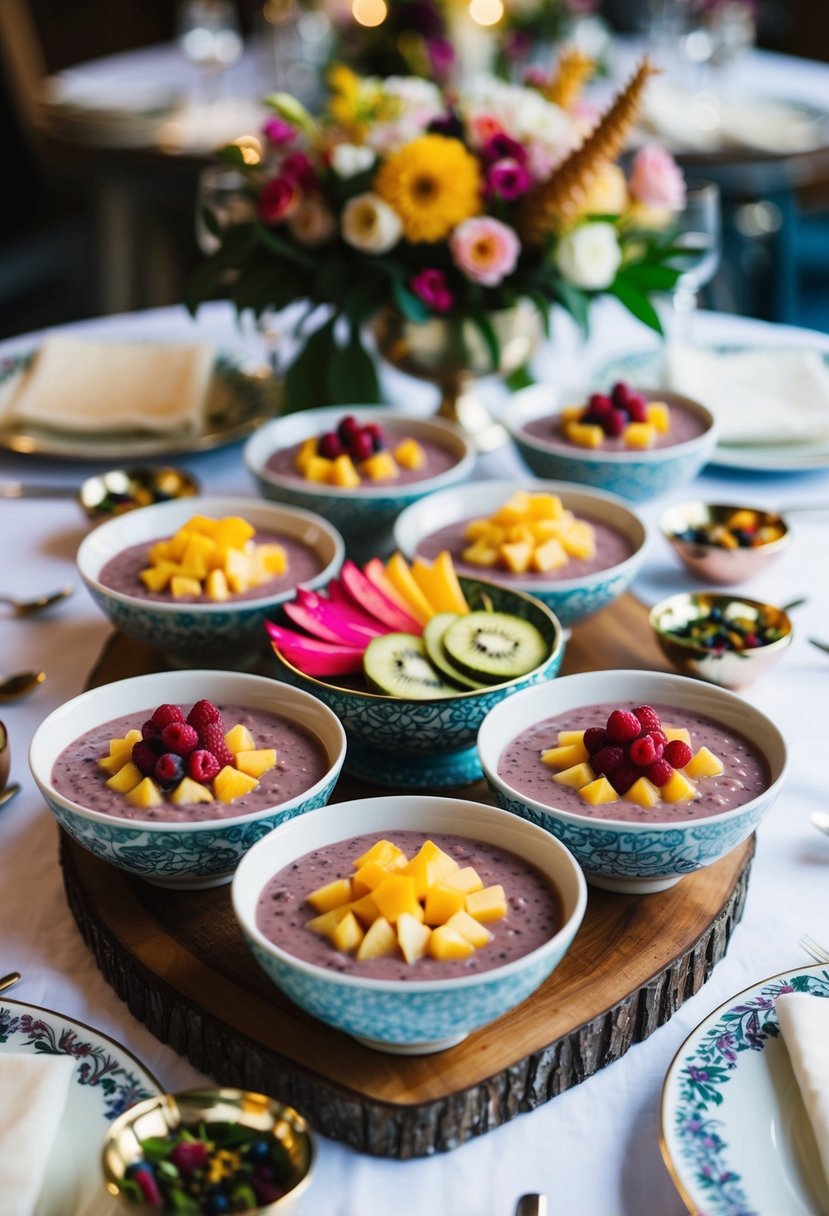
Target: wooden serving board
<point>179,962</point>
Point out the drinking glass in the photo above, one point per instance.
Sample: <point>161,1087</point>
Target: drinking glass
<point>698,242</point>
<point>209,38</point>
<point>222,191</point>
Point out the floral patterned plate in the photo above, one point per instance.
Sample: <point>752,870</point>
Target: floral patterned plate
<point>735,1135</point>
<point>107,1081</point>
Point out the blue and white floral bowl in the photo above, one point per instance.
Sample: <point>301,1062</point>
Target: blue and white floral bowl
<point>185,856</point>
<point>634,475</point>
<point>571,599</point>
<point>634,857</point>
<point>412,744</point>
<point>223,634</point>
<point>365,514</point>
<point>408,1017</point>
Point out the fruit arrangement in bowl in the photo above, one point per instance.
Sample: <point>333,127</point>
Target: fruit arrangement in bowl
<point>359,468</point>
<point>723,543</point>
<point>576,550</point>
<point>632,441</point>
<point>420,656</point>
<point>646,776</point>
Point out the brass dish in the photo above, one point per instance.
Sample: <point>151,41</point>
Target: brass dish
<point>711,561</point>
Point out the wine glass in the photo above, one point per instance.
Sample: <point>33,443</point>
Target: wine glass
<point>222,191</point>
<point>209,38</point>
<point>698,242</point>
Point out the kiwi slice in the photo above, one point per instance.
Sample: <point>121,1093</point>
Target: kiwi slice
<point>433,641</point>
<point>494,646</point>
<point>397,664</point>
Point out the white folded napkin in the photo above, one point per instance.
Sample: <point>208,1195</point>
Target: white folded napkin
<point>804,1024</point>
<point>708,121</point>
<point>87,386</point>
<point>759,397</point>
<point>33,1092</point>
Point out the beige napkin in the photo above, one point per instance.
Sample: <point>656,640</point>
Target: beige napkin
<point>89,386</point>
<point>759,397</point>
<point>804,1024</point>
<point>33,1092</point>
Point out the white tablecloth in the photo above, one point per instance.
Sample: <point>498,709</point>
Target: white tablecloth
<point>595,1149</point>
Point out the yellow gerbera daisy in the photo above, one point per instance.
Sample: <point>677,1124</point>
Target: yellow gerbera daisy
<point>433,184</point>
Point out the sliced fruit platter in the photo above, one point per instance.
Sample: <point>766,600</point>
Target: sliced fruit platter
<point>410,630</point>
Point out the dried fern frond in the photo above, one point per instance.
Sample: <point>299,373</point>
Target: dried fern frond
<point>555,203</point>
<point>572,73</point>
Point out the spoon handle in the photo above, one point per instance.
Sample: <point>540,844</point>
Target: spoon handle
<point>531,1205</point>
<point>6,981</point>
<point>26,489</point>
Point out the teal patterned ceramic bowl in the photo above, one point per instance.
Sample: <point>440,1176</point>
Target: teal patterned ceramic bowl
<point>413,744</point>
<point>184,856</point>
<point>408,1017</point>
<point>634,475</point>
<point>635,857</point>
<point>224,634</point>
<point>571,599</point>
<point>364,515</point>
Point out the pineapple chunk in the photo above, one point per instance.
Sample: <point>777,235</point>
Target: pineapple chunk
<point>659,415</point>
<point>412,937</point>
<point>348,934</point>
<point>572,413</point>
<point>343,473</point>
<point>576,776</point>
<point>380,467</point>
<point>385,853</point>
<point>271,558</point>
<point>325,925</point>
<point>114,764</point>
<point>639,435</point>
<point>331,895</point>
<point>380,940</point>
<point>256,762</point>
<point>366,910</point>
<point>239,739</point>
<point>410,454</point>
<point>579,540</point>
<point>198,523</point>
<point>480,554</point>
<point>233,531</point>
<point>564,757</point>
<point>181,586</point>
<point>678,788</point>
<point>514,510</point>
<point>229,784</point>
<point>125,745</point>
<point>429,865</point>
<point>677,732</point>
<point>239,570</point>
<point>445,944</point>
<point>199,549</point>
<point>396,896</point>
<point>598,792</point>
<point>584,434</point>
<point>643,793</point>
<point>157,578</point>
<point>188,791</point>
<point>545,506</point>
<point>549,556</point>
<point>517,556</point>
<point>369,877</point>
<point>565,737</point>
<point>317,469</point>
<point>470,928</point>
<point>126,779</point>
<point>216,588</point>
<point>466,880</point>
<point>704,764</point>
<point>488,904</point>
<point>145,794</point>
<point>307,450</point>
<point>442,901</point>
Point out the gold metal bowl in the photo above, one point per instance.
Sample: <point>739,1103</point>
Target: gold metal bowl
<point>107,494</point>
<point>713,562</point>
<point>729,668</point>
<point>168,1113</point>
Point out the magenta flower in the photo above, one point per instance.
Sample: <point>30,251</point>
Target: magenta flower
<point>500,146</point>
<point>278,199</point>
<point>431,287</point>
<point>485,250</point>
<point>299,167</point>
<point>507,179</point>
<point>441,55</point>
<point>278,132</point>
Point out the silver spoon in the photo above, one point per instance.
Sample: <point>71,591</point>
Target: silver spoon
<point>114,492</point>
<point>37,603</point>
<point>19,684</point>
<point>821,821</point>
<point>6,796</point>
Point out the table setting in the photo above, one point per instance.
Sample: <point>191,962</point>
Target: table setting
<point>665,1020</point>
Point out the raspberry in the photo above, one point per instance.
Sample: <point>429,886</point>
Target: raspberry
<point>376,431</point>
<point>347,427</point>
<point>165,714</point>
<point>212,739</point>
<point>660,739</point>
<point>624,777</point>
<point>180,737</point>
<point>361,445</point>
<point>637,407</point>
<point>678,753</point>
<point>659,773</point>
<point>622,726</point>
<point>169,770</point>
<point>202,765</point>
<point>150,731</point>
<point>643,751</point>
<point>648,717</point>
<point>144,756</point>
<point>202,713</point>
<point>614,423</point>
<point>595,737</point>
<point>599,403</point>
<point>606,760</point>
<point>189,1155</point>
<point>619,394</point>
<point>330,445</point>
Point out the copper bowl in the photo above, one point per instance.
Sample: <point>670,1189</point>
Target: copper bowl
<point>713,561</point>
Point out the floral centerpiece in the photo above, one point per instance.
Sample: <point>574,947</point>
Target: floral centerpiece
<point>439,205</point>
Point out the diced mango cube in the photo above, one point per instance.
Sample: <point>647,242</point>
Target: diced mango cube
<point>572,413</point>
<point>677,732</point>
<point>188,791</point>
<point>410,454</point>
<point>199,523</point>
<point>307,450</point>
<point>445,944</point>
<point>113,764</point>
<point>239,570</point>
<point>659,415</point>
<point>466,879</point>
<point>380,467</point>
<point>365,909</point>
<point>548,556</point>
<point>332,895</point>
<point>216,588</point>
<point>565,737</point>
<point>256,762</point>
<point>545,506</point>
<point>343,473</point>
<point>326,924</point>
<point>429,865</point>
<point>396,896</point>
<point>199,549</point>
<point>412,937</point>
<point>517,556</point>
<point>229,784</point>
<point>123,746</point>
<point>488,904</point>
<point>181,586</point>
<point>678,788</point>
<point>348,934</point>
<point>126,779</point>
<point>318,469</point>
<point>584,434</point>
<point>480,554</point>
<point>442,901</point>
<point>157,578</point>
<point>234,531</point>
<point>485,530</point>
<point>598,792</point>
<point>564,757</point>
<point>639,435</point>
<point>579,540</point>
<point>576,776</point>
<point>704,764</point>
<point>385,853</point>
<point>514,510</point>
<point>379,942</point>
<point>368,877</point>
<point>470,928</point>
<point>269,560</point>
<point>239,739</point>
<point>643,793</point>
<point>145,794</point>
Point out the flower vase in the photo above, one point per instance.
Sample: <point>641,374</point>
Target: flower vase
<point>451,352</point>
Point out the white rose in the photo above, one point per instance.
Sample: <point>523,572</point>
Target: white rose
<point>349,159</point>
<point>589,256</point>
<point>370,225</point>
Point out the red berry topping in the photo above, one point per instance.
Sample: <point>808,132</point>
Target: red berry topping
<point>623,726</point>
<point>595,737</point>
<point>637,407</point>
<point>202,714</point>
<point>361,446</point>
<point>376,431</point>
<point>599,403</point>
<point>624,777</point>
<point>614,423</point>
<point>347,427</point>
<point>202,765</point>
<point>659,773</point>
<point>648,717</point>
<point>189,1155</point>
<point>607,760</point>
<point>150,731</point>
<point>643,751</point>
<point>660,739</point>
<point>330,445</point>
<point>180,737</point>
<point>165,714</point>
<point>144,756</point>
<point>212,739</point>
<point>620,394</point>
<point>169,770</point>
<point>678,753</point>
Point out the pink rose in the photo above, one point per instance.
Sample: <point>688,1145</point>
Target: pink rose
<point>656,179</point>
<point>485,250</point>
<point>278,199</point>
<point>431,287</point>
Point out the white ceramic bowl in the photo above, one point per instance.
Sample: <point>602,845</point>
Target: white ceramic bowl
<point>571,599</point>
<point>410,1017</point>
<point>618,855</point>
<point>180,855</point>
<point>634,475</point>
<point>365,514</point>
<point>223,634</point>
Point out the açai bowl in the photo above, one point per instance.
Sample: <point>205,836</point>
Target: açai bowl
<point>575,550</point>
<point>565,439</point>
<point>358,466</point>
<point>456,912</point>
<point>645,776</point>
<point>173,776</point>
<point>197,578</point>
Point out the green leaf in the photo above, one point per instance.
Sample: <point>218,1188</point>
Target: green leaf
<point>576,302</point>
<point>293,111</point>
<point>352,376</point>
<point>520,378</point>
<point>211,222</point>
<point>542,307</point>
<point>484,327</point>
<point>284,248</point>
<point>232,154</point>
<point>650,277</point>
<point>365,299</point>
<point>637,303</point>
<point>156,1148</point>
<point>306,380</point>
<point>413,309</point>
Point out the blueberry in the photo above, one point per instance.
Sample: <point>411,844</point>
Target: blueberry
<point>259,1152</point>
<point>216,1204</point>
